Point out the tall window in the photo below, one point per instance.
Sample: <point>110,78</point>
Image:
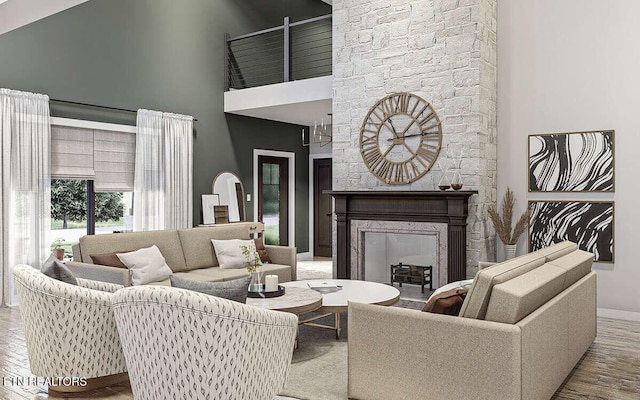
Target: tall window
<point>92,168</point>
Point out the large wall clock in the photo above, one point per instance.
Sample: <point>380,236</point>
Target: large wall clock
<point>400,138</point>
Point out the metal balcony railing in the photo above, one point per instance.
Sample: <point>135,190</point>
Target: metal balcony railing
<point>292,51</point>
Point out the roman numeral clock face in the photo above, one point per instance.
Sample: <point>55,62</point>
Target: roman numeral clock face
<point>400,138</point>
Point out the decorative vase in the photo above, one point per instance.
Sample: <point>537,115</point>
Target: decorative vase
<point>509,251</point>
<point>59,253</point>
<point>456,180</point>
<point>255,284</point>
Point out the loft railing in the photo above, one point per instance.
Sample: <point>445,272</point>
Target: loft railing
<point>292,51</point>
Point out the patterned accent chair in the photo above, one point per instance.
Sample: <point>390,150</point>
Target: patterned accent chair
<point>70,330</point>
<point>181,344</point>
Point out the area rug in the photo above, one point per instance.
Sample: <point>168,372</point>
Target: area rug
<point>319,366</point>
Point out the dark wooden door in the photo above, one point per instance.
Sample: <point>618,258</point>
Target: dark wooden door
<point>322,206</point>
<point>273,199</point>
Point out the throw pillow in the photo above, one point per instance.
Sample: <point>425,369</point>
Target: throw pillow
<point>262,251</point>
<point>229,253</point>
<point>146,265</point>
<point>448,302</point>
<point>235,290</point>
<point>109,259</point>
<point>53,268</point>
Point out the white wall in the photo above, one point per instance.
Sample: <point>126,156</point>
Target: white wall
<point>568,66</point>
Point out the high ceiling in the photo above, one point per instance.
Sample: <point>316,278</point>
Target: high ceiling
<point>17,13</point>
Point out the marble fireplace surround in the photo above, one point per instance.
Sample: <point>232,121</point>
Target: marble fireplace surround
<point>360,227</point>
<point>437,207</point>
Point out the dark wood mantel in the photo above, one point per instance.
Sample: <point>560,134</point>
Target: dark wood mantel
<point>448,207</point>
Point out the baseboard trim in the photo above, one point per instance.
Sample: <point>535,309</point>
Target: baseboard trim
<point>305,256</point>
<point>618,314</point>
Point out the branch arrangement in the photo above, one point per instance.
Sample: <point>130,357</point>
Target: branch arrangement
<point>503,225</point>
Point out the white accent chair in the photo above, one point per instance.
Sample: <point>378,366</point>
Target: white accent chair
<point>187,345</point>
<point>70,330</point>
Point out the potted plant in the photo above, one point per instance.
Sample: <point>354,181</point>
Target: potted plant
<point>502,224</point>
<point>56,248</point>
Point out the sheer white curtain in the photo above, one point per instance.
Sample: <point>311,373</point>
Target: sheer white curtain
<point>25,187</point>
<point>163,185</point>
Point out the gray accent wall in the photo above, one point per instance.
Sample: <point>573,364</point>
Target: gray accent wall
<point>162,55</point>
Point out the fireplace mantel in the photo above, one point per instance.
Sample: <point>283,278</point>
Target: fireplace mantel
<point>449,207</point>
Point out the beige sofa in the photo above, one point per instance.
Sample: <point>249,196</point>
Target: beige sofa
<point>523,326</point>
<point>188,252</point>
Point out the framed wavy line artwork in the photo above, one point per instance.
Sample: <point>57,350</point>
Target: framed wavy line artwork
<point>590,224</point>
<point>572,162</point>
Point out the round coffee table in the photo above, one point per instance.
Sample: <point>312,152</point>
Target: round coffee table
<point>296,300</point>
<point>339,292</point>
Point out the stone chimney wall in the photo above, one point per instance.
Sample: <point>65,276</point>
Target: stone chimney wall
<point>441,50</point>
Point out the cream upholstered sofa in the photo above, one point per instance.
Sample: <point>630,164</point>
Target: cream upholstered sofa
<point>70,330</point>
<point>523,326</point>
<point>181,344</point>
<point>188,252</point>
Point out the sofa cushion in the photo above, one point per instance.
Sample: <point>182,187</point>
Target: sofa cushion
<point>262,251</point>
<point>557,250</point>
<point>217,274</point>
<point>109,259</point>
<point>577,264</point>
<point>167,241</point>
<point>446,302</point>
<point>146,265</point>
<point>53,268</point>
<point>196,243</point>
<point>475,304</point>
<point>235,290</point>
<point>515,299</point>
<point>230,253</point>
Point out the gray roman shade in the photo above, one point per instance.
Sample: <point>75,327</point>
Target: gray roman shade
<point>114,156</point>
<point>106,156</point>
<point>71,153</point>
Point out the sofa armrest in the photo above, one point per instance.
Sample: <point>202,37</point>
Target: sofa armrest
<point>397,354</point>
<point>284,255</point>
<point>103,273</point>
<point>485,264</point>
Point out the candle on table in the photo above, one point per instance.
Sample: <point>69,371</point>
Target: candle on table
<point>271,283</point>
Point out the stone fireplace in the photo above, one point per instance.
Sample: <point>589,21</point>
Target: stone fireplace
<point>375,245</point>
<point>442,215</point>
<point>442,51</point>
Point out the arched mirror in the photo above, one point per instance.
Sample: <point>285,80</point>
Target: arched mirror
<point>228,187</point>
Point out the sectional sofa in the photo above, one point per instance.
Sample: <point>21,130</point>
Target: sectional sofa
<point>188,252</point>
<point>522,328</point>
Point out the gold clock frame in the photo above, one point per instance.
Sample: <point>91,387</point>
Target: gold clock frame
<point>419,161</point>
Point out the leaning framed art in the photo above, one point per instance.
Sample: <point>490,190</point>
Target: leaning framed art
<point>590,224</point>
<point>209,201</point>
<point>572,162</point>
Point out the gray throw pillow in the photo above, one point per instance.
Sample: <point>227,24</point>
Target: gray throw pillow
<point>235,290</point>
<point>53,268</point>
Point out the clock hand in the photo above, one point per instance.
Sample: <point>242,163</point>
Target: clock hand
<point>393,128</point>
<point>412,135</point>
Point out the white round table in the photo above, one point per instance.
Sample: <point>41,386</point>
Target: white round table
<point>336,293</point>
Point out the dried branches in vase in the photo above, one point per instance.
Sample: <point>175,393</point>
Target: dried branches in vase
<point>503,224</point>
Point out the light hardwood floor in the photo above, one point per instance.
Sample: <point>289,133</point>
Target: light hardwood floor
<point>610,370</point>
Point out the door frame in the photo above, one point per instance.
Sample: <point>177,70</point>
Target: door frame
<point>313,157</point>
<point>292,187</point>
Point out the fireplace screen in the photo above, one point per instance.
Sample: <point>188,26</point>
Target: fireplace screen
<point>382,250</point>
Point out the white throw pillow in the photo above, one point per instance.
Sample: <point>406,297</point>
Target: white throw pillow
<point>146,265</point>
<point>229,253</point>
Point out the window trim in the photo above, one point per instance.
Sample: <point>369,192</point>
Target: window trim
<point>81,123</point>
